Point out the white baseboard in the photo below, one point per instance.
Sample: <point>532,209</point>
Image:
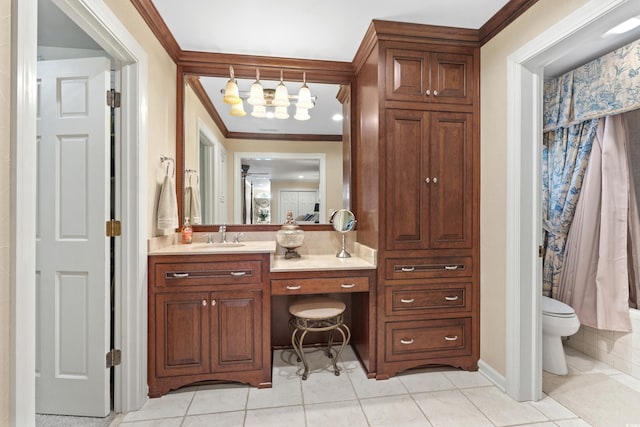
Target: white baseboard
<point>492,375</point>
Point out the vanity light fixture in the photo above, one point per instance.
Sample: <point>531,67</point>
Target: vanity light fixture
<point>260,98</point>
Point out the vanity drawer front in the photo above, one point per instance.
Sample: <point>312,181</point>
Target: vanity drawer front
<point>427,268</point>
<point>208,273</point>
<point>324,285</point>
<point>427,339</point>
<point>428,298</point>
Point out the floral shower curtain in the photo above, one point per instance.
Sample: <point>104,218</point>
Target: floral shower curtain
<point>565,157</point>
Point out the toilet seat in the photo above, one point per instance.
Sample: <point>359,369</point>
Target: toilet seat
<point>555,308</point>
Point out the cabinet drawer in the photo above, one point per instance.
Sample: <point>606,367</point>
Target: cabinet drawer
<point>427,339</point>
<point>323,285</point>
<point>427,268</point>
<point>427,298</point>
<point>208,273</point>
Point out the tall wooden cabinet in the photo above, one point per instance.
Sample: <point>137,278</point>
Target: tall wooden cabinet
<point>417,190</point>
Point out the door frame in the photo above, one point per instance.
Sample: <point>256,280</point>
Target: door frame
<point>525,80</point>
<point>100,23</point>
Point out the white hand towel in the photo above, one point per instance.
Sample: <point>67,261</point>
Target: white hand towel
<point>167,206</point>
<point>194,202</point>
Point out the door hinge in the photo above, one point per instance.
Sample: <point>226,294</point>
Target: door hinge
<point>540,251</point>
<point>114,358</point>
<point>113,228</point>
<point>113,98</point>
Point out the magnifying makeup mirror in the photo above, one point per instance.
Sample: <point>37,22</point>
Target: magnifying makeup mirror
<point>343,221</point>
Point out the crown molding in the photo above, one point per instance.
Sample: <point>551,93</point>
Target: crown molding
<point>502,18</point>
<point>158,27</point>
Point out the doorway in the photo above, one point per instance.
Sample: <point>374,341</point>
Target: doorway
<point>101,24</point>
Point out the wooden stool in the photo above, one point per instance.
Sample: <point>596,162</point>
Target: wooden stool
<point>318,314</point>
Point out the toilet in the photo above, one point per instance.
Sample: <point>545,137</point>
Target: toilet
<point>558,320</point>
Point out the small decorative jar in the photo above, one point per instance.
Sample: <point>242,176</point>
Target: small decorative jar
<point>290,237</point>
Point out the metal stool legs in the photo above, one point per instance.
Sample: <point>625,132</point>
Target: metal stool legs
<point>312,325</point>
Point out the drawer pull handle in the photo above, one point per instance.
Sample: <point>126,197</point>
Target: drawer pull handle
<point>348,285</point>
<point>180,275</point>
<point>455,298</point>
<point>204,302</point>
<point>450,267</point>
<point>238,273</point>
<point>407,342</point>
<point>407,301</point>
<point>408,269</point>
<point>453,338</point>
<point>293,287</point>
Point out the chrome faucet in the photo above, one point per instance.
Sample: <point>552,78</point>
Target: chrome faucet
<point>236,237</point>
<point>223,233</point>
<point>209,238</point>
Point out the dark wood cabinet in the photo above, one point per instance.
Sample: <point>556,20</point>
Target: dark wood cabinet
<point>420,75</point>
<point>429,174</point>
<point>208,320</point>
<point>417,100</point>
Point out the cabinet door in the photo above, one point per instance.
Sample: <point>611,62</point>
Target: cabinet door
<point>450,78</point>
<point>182,328</point>
<point>451,181</point>
<point>407,161</point>
<point>236,331</point>
<point>407,75</point>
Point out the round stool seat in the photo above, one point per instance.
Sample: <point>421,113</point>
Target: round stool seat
<point>317,308</point>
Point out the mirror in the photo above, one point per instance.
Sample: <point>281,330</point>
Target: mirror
<point>253,178</point>
<point>343,221</point>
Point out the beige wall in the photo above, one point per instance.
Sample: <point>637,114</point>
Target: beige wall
<point>5,220</point>
<point>161,102</point>
<point>493,78</point>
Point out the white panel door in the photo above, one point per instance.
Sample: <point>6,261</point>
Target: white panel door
<point>72,251</point>
<point>288,202</point>
<point>307,201</point>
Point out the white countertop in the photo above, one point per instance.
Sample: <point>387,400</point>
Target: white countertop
<point>267,246</point>
<point>320,262</point>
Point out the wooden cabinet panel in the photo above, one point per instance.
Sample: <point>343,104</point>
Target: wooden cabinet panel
<point>182,327</point>
<point>411,268</point>
<point>428,299</point>
<point>327,285</point>
<point>426,339</point>
<point>430,77</point>
<point>451,210</point>
<point>236,332</point>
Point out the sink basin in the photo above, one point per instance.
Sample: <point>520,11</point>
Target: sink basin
<point>217,245</point>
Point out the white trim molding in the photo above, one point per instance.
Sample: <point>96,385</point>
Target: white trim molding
<point>492,375</point>
<point>525,74</point>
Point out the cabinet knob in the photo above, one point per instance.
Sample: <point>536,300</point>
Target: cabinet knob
<point>435,93</point>
<point>454,298</point>
<point>435,180</point>
<point>428,92</point>
<point>427,180</point>
<point>213,303</point>
<point>204,302</point>
<point>453,338</point>
<point>407,342</point>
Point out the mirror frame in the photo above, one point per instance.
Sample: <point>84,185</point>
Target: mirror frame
<point>217,64</point>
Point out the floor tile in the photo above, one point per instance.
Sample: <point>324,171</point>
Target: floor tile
<point>167,406</point>
<point>552,409</point>
<point>394,411</point>
<point>323,387</point>
<point>465,379</point>
<point>501,409</point>
<point>219,398</point>
<point>338,414</point>
<point>166,422</point>
<point>419,382</point>
<point>576,422</point>
<point>288,416</point>
<point>285,393</point>
<point>226,419</point>
<point>450,408</point>
<point>366,387</point>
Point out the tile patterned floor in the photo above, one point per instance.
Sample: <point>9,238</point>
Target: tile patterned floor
<point>429,397</point>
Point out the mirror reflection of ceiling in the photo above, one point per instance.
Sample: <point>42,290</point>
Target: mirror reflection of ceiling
<point>320,123</point>
<point>282,169</point>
